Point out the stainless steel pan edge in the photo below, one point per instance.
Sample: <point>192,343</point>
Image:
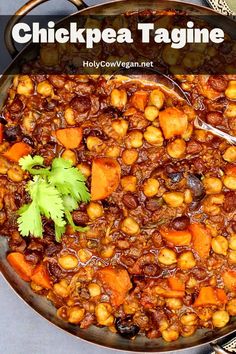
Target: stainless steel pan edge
<point>95,335</point>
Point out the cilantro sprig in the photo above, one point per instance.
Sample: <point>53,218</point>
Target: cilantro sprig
<point>55,192</point>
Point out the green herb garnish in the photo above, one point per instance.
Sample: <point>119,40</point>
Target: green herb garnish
<point>55,192</point>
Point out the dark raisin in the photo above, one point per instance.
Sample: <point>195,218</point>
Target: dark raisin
<point>153,204</point>
<point>52,249</point>
<point>130,201</point>
<point>81,104</point>
<point>180,223</point>
<point>126,328</point>
<point>218,83</point>
<point>12,133</point>
<point>16,106</point>
<point>196,187</point>
<point>28,140</point>
<point>80,218</point>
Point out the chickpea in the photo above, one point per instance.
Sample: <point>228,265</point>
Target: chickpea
<point>167,256</point>
<point>49,55</point>
<point>212,185</point>
<point>219,245</point>
<point>163,325</point>
<point>231,307</point>
<point>29,122</point>
<point>150,187</point>
<point>129,156</point>
<point>230,182</point>
<point>151,113</point>
<point>174,199</point>
<point>230,154</point>
<point>134,139</point>
<point>153,136</point>
<point>94,289</point>
<point>118,98</point>
<point>95,144</point>
<point>103,313</point>
<point>129,226</point>
<point>113,151</point>
<point>35,287</point>
<point>120,126</point>
<point>191,283</point>
<point>205,314</point>
<point>94,210</point>
<point>186,260</point>
<point>193,60</point>
<point>170,55</point>
<point>76,314</point>
<point>130,308</point>
<point>25,86</point>
<point>220,318</point>
<point>45,89</point>
<point>176,148</point>
<point>61,288</point>
<point>190,319</point>
<point>128,183</point>
<point>174,303</point>
<point>157,98</point>
<point>230,111</point>
<point>232,257</point>
<point>68,261</point>
<point>187,331</point>
<point>211,204</point>
<point>15,174</point>
<point>70,156</point>
<point>70,116</point>
<point>107,252</point>
<point>84,168</point>
<point>188,198</point>
<point>170,335</point>
<point>84,255</point>
<point>232,242</point>
<point>230,92</point>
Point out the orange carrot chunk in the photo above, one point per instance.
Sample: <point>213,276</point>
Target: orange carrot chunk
<point>231,170</point>
<point>176,284</point>
<point>16,151</point>
<point>116,282</point>
<point>105,177</point>
<point>139,100</point>
<point>201,239</point>
<point>229,279</point>
<point>177,238</point>
<point>23,268</point>
<point>69,137</point>
<point>40,277</point>
<point>173,122</point>
<point>210,296</point>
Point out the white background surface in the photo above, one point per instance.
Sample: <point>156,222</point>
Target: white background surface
<point>22,331</point>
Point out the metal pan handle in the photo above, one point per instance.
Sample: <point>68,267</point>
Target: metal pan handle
<point>218,349</point>
<point>24,10</point>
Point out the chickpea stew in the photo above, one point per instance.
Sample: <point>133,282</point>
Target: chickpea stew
<point>158,254</point>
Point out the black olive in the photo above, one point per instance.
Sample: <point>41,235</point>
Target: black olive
<point>28,140</point>
<point>196,187</point>
<point>3,120</point>
<point>126,328</point>
<point>12,133</point>
<point>175,176</point>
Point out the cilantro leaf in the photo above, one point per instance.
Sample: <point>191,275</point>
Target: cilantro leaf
<point>68,180</point>
<point>48,199</point>
<point>29,221</point>
<point>55,192</point>
<point>59,231</point>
